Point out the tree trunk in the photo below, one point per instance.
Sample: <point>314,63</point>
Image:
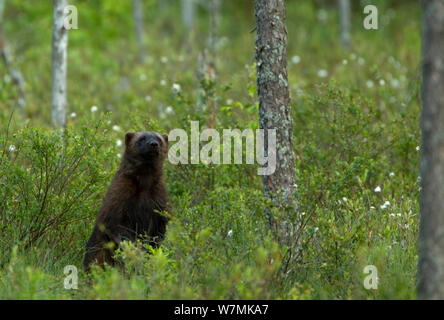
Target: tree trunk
<point>59,64</point>
<point>162,5</point>
<point>5,53</point>
<point>274,104</point>
<point>188,11</point>
<point>215,14</point>
<point>431,239</point>
<point>139,28</point>
<point>344,15</point>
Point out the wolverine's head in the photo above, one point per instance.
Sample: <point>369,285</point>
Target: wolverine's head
<point>145,148</point>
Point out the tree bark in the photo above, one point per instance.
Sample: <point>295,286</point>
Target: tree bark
<point>188,12</point>
<point>139,28</point>
<point>5,53</point>
<point>274,102</point>
<point>344,15</point>
<point>215,14</point>
<point>59,64</point>
<point>431,233</point>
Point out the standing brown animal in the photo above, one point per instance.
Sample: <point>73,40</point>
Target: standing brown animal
<point>135,200</point>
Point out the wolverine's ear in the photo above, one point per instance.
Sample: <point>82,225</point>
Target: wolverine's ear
<point>128,137</point>
<point>165,138</point>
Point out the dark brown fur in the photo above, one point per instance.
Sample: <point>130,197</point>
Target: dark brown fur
<point>131,208</point>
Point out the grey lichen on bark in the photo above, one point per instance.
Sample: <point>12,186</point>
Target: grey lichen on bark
<point>59,64</point>
<point>274,103</point>
<point>431,233</point>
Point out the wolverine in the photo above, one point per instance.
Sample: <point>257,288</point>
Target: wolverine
<point>136,201</point>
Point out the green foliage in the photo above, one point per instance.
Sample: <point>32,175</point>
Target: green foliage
<point>53,180</point>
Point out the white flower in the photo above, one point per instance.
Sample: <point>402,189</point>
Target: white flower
<point>372,208</point>
<point>119,142</point>
<point>382,82</point>
<point>230,233</point>
<point>417,148</point>
<point>378,189</point>
<point>361,61</point>
<point>296,59</point>
<point>315,229</point>
<point>169,110</point>
<point>391,174</point>
<point>353,56</point>
<point>395,83</point>
<point>385,205</point>
<point>11,148</point>
<point>322,73</point>
<point>116,128</point>
<point>392,214</point>
<point>345,62</point>
<point>229,101</point>
<point>163,82</point>
<point>164,59</point>
<point>73,115</point>
<point>344,199</point>
<point>119,155</point>
<point>370,84</point>
<point>148,98</point>
<point>398,214</point>
<point>176,87</point>
<point>322,15</point>
<point>94,108</point>
<point>142,77</point>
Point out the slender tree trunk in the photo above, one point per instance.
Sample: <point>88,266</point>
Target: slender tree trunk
<point>274,104</point>
<point>431,233</point>
<point>5,53</point>
<point>344,16</point>
<point>139,28</point>
<point>188,12</point>
<point>163,4</point>
<point>212,71</point>
<point>59,64</point>
<point>215,15</point>
<point>201,71</point>
<point>206,63</point>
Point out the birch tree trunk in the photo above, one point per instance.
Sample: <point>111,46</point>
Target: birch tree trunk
<point>5,53</point>
<point>215,14</point>
<point>139,28</point>
<point>274,104</point>
<point>163,4</point>
<point>59,64</point>
<point>188,12</point>
<point>344,16</point>
<point>431,233</point>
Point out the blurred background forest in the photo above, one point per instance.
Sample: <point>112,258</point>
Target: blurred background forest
<point>356,134</point>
